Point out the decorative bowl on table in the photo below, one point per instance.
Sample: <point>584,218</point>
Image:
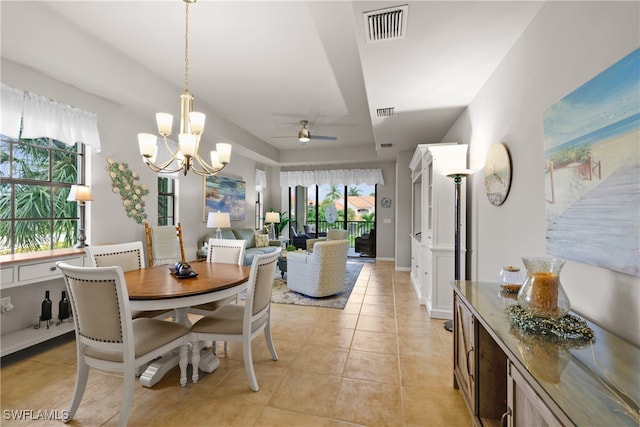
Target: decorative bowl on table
<point>182,270</point>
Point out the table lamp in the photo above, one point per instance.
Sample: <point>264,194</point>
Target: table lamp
<point>218,220</point>
<point>80,194</point>
<point>272,218</point>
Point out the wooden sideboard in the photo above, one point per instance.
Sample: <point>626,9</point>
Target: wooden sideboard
<point>510,378</point>
<point>19,275</point>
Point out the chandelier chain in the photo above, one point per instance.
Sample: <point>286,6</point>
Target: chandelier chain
<point>186,47</point>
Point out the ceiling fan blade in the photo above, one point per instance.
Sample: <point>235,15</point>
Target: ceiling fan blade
<point>290,136</point>
<point>327,138</point>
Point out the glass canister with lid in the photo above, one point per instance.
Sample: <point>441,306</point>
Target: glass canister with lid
<point>510,279</point>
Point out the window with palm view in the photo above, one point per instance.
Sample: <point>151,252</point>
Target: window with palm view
<point>35,178</point>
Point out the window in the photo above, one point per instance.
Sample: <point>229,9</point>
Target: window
<point>166,201</point>
<point>36,177</point>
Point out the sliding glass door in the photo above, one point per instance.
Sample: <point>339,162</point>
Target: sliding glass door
<point>315,209</point>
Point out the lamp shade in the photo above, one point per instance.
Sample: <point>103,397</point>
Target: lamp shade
<point>80,193</point>
<point>458,172</point>
<point>272,218</point>
<point>218,220</point>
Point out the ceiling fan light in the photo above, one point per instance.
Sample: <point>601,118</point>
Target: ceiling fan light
<point>303,135</point>
<point>303,140</point>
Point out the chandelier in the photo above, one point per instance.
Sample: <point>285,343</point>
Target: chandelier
<point>186,156</point>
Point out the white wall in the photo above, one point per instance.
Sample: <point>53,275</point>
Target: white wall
<point>566,45</point>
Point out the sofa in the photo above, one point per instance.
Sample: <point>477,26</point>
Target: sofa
<point>253,248</point>
<point>319,273</point>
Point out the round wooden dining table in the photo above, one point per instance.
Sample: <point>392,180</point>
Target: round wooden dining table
<point>157,288</point>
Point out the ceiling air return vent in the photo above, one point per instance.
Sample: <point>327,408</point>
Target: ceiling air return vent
<point>386,145</point>
<point>386,24</point>
<point>386,112</point>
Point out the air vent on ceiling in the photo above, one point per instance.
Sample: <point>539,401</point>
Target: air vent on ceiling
<point>386,112</point>
<point>386,24</point>
<point>386,145</point>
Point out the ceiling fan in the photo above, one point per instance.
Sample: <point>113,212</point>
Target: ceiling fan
<point>304,136</point>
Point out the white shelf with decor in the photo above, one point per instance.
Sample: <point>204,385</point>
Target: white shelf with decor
<point>30,269</point>
<point>433,224</point>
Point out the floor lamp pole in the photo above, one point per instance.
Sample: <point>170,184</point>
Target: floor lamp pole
<point>457,182</point>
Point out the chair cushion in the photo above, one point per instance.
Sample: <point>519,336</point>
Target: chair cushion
<point>246,234</point>
<point>212,306</point>
<point>225,320</point>
<point>149,334</point>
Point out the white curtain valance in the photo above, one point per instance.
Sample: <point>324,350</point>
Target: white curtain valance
<point>331,177</point>
<point>42,117</point>
<point>261,179</point>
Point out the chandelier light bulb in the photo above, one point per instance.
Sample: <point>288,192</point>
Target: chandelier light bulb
<point>165,123</point>
<point>196,120</point>
<point>147,144</point>
<point>188,144</point>
<point>224,152</point>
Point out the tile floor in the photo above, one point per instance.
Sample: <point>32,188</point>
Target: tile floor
<point>378,362</point>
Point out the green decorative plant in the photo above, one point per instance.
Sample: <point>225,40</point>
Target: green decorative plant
<point>291,248</point>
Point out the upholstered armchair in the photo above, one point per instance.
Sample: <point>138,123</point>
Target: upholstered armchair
<point>298,240</point>
<point>332,234</point>
<point>319,273</point>
<point>366,244</point>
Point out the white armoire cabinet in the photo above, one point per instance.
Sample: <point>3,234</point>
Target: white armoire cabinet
<point>433,224</point>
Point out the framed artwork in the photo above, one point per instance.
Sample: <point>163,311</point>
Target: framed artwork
<point>225,195</point>
<point>592,170</point>
<point>497,174</point>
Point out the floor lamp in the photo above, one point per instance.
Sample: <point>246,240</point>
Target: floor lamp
<point>80,194</point>
<point>457,182</point>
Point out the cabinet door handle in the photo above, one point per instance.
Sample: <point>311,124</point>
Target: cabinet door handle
<point>468,370</point>
<point>505,417</point>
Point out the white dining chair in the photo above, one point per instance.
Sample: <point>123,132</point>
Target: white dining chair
<point>129,256</point>
<point>107,338</point>
<point>227,251</point>
<point>242,323</point>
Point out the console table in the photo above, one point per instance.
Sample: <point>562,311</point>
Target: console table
<point>509,378</point>
<point>25,271</point>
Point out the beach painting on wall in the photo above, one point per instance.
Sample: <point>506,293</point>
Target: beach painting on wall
<point>225,195</point>
<point>592,170</point>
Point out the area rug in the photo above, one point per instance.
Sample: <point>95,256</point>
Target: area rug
<point>280,294</point>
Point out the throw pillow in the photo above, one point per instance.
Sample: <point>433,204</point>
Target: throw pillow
<point>262,240</point>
